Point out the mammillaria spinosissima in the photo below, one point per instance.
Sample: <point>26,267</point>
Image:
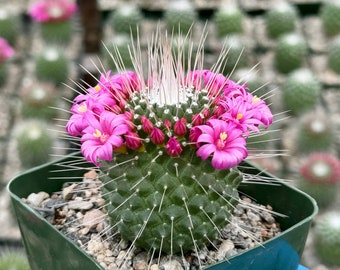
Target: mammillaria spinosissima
<point>168,145</point>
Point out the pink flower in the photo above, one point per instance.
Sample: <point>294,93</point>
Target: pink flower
<point>6,51</point>
<point>157,136</point>
<point>133,141</point>
<point>52,10</point>
<point>173,147</point>
<point>224,141</point>
<point>102,136</point>
<point>180,128</point>
<point>147,125</point>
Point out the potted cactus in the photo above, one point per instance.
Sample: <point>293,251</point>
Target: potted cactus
<point>54,19</point>
<point>170,153</point>
<point>6,51</point>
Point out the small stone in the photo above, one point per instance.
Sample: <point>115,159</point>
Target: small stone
<point>91,175</point>
<point>37,198</point>
<point>267,217</point>
<point>80,205</point>
<point>224,248</point>
<point>171,265</point>
<point>154,267</point>
<point>68,192</point>
<point>92,218</point>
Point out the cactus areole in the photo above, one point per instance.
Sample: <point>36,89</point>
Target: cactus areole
<point>168,145</point>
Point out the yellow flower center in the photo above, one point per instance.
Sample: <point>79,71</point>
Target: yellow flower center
<point>82,108</point>
<point>97,88</point>
<point>100,135</point>
<point>239,116</point>
<point>255,99</point>
<point>223,136</point>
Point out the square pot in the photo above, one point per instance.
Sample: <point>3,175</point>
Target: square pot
<point>47,248</point>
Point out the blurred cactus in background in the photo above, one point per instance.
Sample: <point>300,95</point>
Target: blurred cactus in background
<point>9,26</point>
<point>327,238</point>
<point>300,91</point>
<point>52,65</point>
<point>125,19</point>
<point>37,99</point>
<point>315,132</point>
<point>179,16</point>
<point>333,55</point>
<point>320,175</point>
<point>54,19</point>
<point>290,52</point>
<point>228,19</point>
<point>6,51</point>
<point>34,139</point>
<point>281,18</point>
<point>330,16</point>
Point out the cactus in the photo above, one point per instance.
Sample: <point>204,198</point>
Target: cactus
<point>237,53</point>
<point>57,32</point>
<point>51,65</point>
<point>126,19</point>
<point>179,16</point>
<point>6,51</point>
<point>117,48</point>
<point>253,79</point>
<point>315,132</point>
<point>54,19</point>
<point>327,238</point>
<point>280,19</point>
<point>290,52</point>
<point>330,16</point>
<point>320,175</point>
<point>9,26</point>
<point>37,100</point>
<point>301,91</point>
<point>228,20</point>
<point>13,260</point>
<point>34,142</point>
<point>168,148</point>
<point>333,55</point>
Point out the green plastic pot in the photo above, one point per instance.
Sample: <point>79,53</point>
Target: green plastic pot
<point>47,248</point>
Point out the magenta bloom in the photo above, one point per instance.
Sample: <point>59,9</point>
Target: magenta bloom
<point>224,141</point>
<point>173,147</point>
<point>52,10</point>
<point>6,51</point>
<point>102,136</point>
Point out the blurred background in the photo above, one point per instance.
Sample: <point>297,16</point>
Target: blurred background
<point>287,51</point>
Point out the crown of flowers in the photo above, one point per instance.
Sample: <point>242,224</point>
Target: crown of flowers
<point>6,51</point>
<point>52,10</point>
<point>199,110</point>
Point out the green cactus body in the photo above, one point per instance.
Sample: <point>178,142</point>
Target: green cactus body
<point>34,143</point>
<point>290,52</point>
<point>179,16</point>
<point>320,175</point>
<point>117,48</point>
<point>237,54</point>
<point>9,26</point>
<point>300,91</point>
<point>280,19</point>
<point>333,55</point>
<point>3,74</point>
<point>12,260</point>
<point>37,100</point>
<point>330,16</point>
<point>126,19</point>
<point>327,238</point>
<point>56,32</point>
<point>52,66</point>
<point>315,133</point>
<point>167,204</point>
<point>228,20</point>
